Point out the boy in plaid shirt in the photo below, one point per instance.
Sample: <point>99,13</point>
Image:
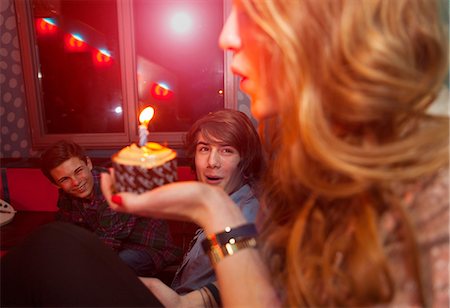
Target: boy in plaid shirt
<point>142,243</point>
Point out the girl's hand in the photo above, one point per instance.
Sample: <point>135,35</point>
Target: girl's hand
<point>206,205</point>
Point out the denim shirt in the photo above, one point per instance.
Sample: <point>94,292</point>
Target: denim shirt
<point>196,271</point>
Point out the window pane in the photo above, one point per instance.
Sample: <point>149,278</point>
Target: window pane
<point>178,62</point>
<point>79,69</point>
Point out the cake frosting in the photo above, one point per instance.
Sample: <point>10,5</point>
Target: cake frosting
<point>149,156</point>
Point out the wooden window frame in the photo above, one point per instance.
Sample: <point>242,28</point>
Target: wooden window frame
<point>29,56</point>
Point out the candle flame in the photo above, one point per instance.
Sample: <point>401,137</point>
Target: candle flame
<point>146,115</point>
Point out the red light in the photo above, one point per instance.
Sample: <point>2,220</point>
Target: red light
<point>74,43</point>
<point>101,58</point>
<point>161,92</point>
<point>44,26</point>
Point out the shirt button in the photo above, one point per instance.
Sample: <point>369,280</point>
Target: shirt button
<point>80,219</point>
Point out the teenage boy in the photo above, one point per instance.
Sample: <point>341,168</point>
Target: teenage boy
<point>142,243</point>
<point>225,151</point>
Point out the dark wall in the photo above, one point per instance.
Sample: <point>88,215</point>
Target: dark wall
<point>15,141</point>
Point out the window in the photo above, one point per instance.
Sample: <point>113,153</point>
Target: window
<point>79,67</point>
<point>91,66</point>
<point>178,61</point>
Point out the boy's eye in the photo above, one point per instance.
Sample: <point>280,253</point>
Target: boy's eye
<point>203,149</point>
<point>228,150</point>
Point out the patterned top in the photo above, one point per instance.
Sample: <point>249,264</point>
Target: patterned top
<point>427,203</point>
<point>117,230</point>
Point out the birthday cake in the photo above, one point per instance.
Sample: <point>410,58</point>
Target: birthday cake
<point>142,168</point>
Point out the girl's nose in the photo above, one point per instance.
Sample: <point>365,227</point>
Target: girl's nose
<point>229,37</point>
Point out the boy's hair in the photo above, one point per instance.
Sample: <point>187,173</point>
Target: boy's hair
<point>232,128</point>
<point>58,153</point>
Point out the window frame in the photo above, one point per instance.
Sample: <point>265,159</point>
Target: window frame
<point>30,64</point>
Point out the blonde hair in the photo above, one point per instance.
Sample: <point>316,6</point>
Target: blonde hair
<point>353,82</point>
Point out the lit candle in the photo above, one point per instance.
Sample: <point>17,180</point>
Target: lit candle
<point>144,118</point>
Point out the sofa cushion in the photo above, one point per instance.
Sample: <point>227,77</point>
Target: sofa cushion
<point>30,190</point>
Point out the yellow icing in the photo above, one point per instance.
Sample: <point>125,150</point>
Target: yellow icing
<point>149,156</point>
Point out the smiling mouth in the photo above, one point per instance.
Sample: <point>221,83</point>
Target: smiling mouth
<point>81,189</point>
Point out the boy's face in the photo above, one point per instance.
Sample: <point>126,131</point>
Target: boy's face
<point>217,164</point>
<point>74,177</point>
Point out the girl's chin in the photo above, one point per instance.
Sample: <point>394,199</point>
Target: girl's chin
<point>262,109</point>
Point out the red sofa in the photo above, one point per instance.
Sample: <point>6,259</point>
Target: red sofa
<point>34,198</point>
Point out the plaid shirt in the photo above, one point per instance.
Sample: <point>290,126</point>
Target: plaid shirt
<point>117,230</point>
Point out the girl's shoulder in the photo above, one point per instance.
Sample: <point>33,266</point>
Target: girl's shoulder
<point>426,202</point>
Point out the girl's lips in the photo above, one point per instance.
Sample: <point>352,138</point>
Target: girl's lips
<point>244,78</point>
<point>238,73</point>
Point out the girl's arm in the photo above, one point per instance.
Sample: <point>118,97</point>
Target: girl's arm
<point>243,278</point>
